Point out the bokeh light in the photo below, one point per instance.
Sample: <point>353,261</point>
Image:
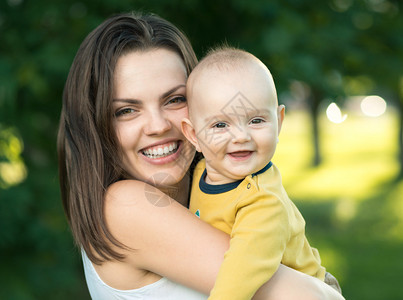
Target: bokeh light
<point>334,114</point>
<point>373,106</point>
<point>12,167</point>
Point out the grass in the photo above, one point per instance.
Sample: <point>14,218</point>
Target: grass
<point>352,203</point>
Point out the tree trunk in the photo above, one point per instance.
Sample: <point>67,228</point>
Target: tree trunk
<point>400,139</point>
<point>316,97</point>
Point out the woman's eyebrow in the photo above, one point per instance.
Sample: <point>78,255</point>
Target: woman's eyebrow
<point>169,92</point>
<point>138,102</point>
<point>130,101</point>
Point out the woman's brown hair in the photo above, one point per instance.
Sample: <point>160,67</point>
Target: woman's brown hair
<point>87,144</point>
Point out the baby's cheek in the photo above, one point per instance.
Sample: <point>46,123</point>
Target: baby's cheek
<point>268,141</point>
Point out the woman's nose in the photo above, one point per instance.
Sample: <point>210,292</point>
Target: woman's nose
<point>157,124</point>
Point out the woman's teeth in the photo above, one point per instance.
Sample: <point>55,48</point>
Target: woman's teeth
<point>161,151</point>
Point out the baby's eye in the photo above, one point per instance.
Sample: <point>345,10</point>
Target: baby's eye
<point>220,125</point>
<point>124,111</point>
<point>257,121</point>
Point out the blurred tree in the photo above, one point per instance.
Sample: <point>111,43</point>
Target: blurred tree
<point>309,47</point>
<point>377,56</point>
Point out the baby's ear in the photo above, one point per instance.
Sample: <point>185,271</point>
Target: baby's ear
<point>190,134</point>
<point>280,116</point>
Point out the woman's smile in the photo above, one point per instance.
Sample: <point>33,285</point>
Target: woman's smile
<point>160,150</point>
<point>163,153</point>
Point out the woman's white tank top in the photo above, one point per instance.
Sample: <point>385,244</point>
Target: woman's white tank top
<point>163,289</point>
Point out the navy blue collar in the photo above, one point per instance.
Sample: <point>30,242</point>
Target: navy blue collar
<point>266,167</point>
<point>222,188</point>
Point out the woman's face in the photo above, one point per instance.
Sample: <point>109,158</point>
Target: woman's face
<point>149,103</point>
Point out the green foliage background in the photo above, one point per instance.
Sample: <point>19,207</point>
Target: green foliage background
<point>336,48</point>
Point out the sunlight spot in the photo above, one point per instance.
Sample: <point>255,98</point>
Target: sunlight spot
<point>373,106</point>
<point>12,167</point>
<point>12,173</point>
<point>346,209</point>
<point>334,115</point>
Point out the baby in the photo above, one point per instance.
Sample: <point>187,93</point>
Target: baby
<point>235,121</point>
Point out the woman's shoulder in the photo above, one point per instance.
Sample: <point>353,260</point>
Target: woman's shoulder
<point>126,206</point>
<point>124,188</point>
<point>134,192</point>
<point>133,204</point>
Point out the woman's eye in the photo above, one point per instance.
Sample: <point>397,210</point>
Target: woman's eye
<point>124,111</point>
<point>257,121</point>
<point>176,100</point>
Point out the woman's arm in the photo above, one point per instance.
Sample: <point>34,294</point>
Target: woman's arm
<point>167,238</point>
<point>170,241</point>
<point>289,284</point>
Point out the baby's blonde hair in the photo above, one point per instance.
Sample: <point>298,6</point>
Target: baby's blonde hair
<point>226,58</point>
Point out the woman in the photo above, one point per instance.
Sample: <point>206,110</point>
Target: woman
<point>122,152</point>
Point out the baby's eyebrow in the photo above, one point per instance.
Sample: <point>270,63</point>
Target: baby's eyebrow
<point>262,111</point>
<point>215,118</point>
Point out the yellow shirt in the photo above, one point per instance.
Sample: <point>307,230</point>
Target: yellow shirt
<point>265,226</point>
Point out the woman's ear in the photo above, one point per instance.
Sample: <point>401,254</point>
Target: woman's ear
<point>190,134</point>
<point>280,116</point>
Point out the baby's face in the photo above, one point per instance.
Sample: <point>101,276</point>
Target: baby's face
<point>236,120</point>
